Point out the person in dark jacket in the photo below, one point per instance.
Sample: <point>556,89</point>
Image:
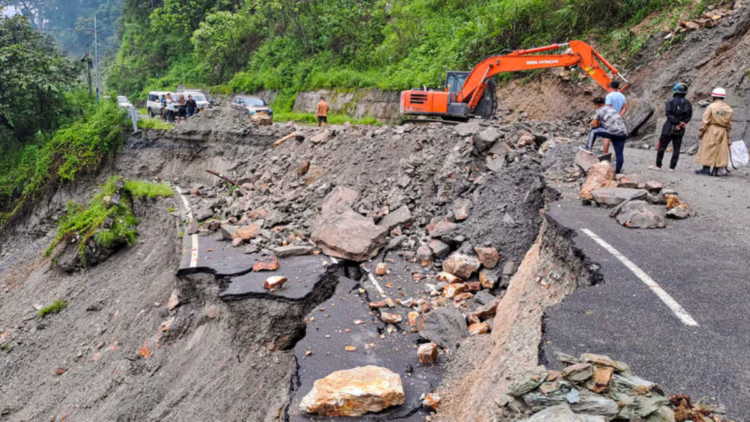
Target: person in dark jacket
<point>191,106</point>
<point>679,112</point>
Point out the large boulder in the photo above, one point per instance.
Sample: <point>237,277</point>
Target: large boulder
<point>611,197</point>
<point>639,215</point>
<point>348,235</point>
<point>637,115</point>
<point>354,392</point>
<point>600,175</point>
<point>445,326</point>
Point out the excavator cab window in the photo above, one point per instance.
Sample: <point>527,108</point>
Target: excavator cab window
<point>455,81</point>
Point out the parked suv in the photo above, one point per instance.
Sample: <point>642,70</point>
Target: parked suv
<point>251,104</point>
<point>200,99</point>
<point>153,104</point>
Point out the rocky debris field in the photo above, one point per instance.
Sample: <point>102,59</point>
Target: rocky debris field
<point>597,388</point>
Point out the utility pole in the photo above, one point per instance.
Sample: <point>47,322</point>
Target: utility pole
<point>96,59</point>
<point>88,71</point>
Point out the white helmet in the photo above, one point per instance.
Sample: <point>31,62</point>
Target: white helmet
<point>719,93</point>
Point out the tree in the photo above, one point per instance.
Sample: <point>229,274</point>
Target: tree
<point>33,79</point>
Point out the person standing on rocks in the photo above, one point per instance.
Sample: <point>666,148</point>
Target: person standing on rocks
<point>321,112</point>
<point>713,153</point>
<point>679,111</point>
<point>617,101</point>
<point>608,124</point>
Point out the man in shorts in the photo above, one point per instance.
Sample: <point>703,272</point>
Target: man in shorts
<point>321,112</point>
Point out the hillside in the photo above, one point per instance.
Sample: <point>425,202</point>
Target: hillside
<point>293,46</point>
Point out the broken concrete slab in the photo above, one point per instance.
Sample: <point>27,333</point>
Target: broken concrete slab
<point>348,235</point>
<point>303,273</point>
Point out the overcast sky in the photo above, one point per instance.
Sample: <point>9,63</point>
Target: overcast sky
<point>9,11</point>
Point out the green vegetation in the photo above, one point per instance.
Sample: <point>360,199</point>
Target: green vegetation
<point>171,209</point>
<point>158,124</point>
<point>55,307</point>
<point>335,119</point>
<point>292,46</point>
<point>108,224</point>
<point>146,189</point>
<point>49,160</point>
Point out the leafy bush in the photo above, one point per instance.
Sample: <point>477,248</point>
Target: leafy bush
<point>157,124</point>
<point>82,223</point>
<point>55,307</point>
<point>77,149</point>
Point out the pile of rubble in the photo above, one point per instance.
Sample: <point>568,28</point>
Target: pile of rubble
<point>596,388</point>
<point>706,20</point>
<point>638,201</point>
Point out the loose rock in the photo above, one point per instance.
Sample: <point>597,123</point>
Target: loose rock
<point>428,353</point>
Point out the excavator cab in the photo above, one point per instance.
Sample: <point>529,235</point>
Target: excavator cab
<point>445,104</point>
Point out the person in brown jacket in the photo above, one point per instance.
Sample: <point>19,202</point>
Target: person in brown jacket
<point>713,153</point>
<point>321,112</point>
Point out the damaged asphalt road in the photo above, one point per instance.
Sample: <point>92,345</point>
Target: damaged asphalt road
<point>693,262</point>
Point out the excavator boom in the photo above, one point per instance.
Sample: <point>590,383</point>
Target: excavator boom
<point>464,102</point>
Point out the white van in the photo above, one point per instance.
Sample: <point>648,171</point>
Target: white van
<point>200,99</point>
<point>153,104</point>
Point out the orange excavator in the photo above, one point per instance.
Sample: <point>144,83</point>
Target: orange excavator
<point>472,94</point>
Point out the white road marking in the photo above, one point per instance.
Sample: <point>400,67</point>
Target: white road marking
<point>678,310</point>
<point>193,238</point>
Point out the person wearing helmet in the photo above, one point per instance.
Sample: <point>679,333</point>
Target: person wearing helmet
<point>679,111</point>
<point>713,153</point>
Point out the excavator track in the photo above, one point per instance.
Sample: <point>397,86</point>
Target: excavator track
<point>427,121</point>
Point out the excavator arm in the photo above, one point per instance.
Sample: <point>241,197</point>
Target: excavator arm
<point>581,54</point>
<point>464,102</point>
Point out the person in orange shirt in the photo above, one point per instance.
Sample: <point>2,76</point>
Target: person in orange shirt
<point>321,112</point>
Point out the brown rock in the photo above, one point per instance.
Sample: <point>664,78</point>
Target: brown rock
<point>321,137</point>
<point>303,168</point>
<point>453,289</point>
<point>487,310</point>
<point>251,231</point>
<point>396,218</point>
<point>443,228</point>
<point>389,318</point>
<point>354,392</point>
<point>413,318</point>
<point>428,353</point>
<point>228,232</point>
<point>487,256</point>
<point>269,265</point>
<point>585,160</point>
<point>439,248</point>
<point>381,269</point>
<point>653,186</point>
<point>174,300</point>
<point>579,372</point>
<point>461,265</point>
<point>477,329</point>
<point>474,286</point>
<point>348,235</point>
<point>600,175</point>
<point>673,201</point>
<point>448,278</point>
<point>462,296</point>
<point>600,382</point>
<point>461,209</point>
<point>237,241</point>
<point>424,253</point>
<point>273,283</point>
<point>378,305</point>
<point>431,401</point>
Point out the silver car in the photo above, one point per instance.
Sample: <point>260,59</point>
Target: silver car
<point>251,104</point>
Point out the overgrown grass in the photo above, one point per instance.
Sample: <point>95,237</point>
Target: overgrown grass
<point>150,190</point>
<point>55,307</point>
<point>157,124</point>
<point>110,225</point>
<point>143,112</point>
<point>77,149</point>
<point>334,119</point>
